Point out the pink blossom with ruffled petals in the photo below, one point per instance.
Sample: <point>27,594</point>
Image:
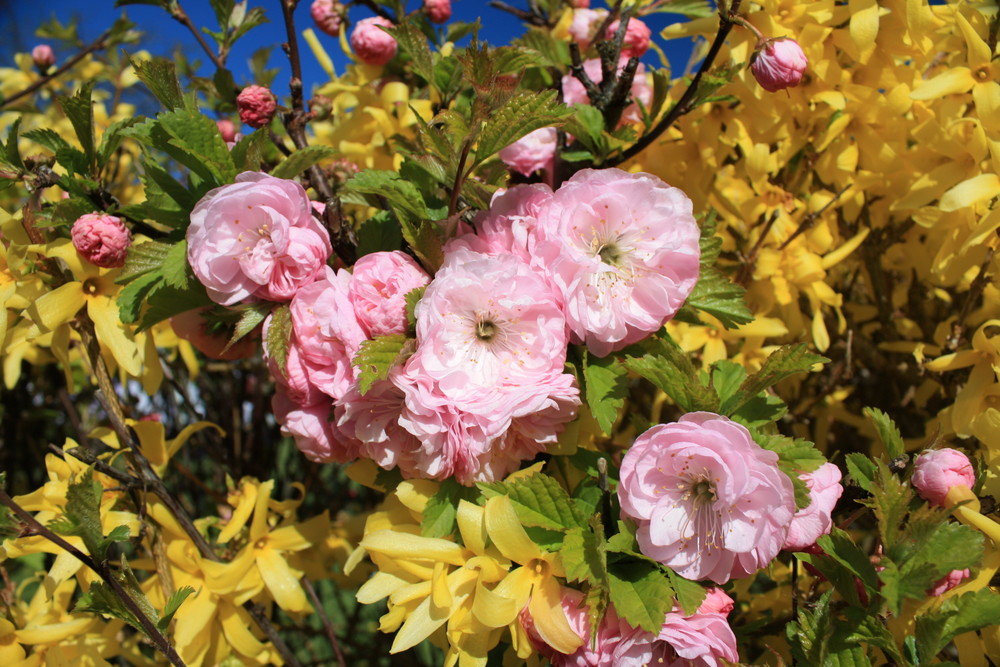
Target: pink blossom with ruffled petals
<point>937,470</point>
<point>623,251</point>
<point>371,44</point>
<point>596,653</point>
<point>585,24</point>
<point>708,501</point>
<point>256,105</point>
<point>311,426</point>
<point>507,227</point>
<point>378,291</point>
<point>256,238</point>
<point>328,15</point>
<point>532,152</point>
<point>326,331</point>
<point>699,640</point>
<point>101,239</point>
<point>43,56</point>
<point>779,64</point>
<point>372,422</point>
<point>575,93</point>
<point>811,522</point>
<point>637,36</point>
<point>948,582</point>
<point>438,11</point>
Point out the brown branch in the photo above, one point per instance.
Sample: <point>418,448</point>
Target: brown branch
<point>327,625</point>
<point>378,9</point>
<point>459,178</point>
<point>684,104</point>
<point>178,13</point>
<point>96,45</point>
<point>528,17</point>
<point>104,572</point>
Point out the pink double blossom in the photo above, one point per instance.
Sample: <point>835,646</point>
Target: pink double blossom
<point>622,250</point>
<point>708,501</point>
<point>256,238</point>
<point>373,45</point>
<point>810,522</point>
<point>378,289</point>
<point>536,151</point>
<point>637,35</point>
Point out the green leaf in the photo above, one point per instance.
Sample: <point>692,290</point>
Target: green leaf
<point>199,143</point>
<point>606,386</point>
<point>165,301</point>
<point>79,110</point>
<point>956,615</point>
<point>788,360</point>
<point>10,151</point>
<point>379,233</point>
<point>175,266</point>
<point>721,298</point>
<point>143,258</point>
<point>251,316</point>
<point>402,196</point>
<point>641,593</point>
<point>82,517</point>
<point>101,599</point>
<point>132,297</point>
<point>670,369</point>
<point>302,159</point>
<point>890,500</point>
<point>413,297</point>
<point>554,52</point>
<point>690,594</point>
<point>839,546</point>
<point>539,501</point>
<point>379,356</point>
<point>795,456</point>
<point>413,42</point>
<point>888,434</point>
<point>582,555</point>
<point>112,139</point>
<point>694,9</point>
<point>160,76</point>
<point>279,335</point>
<point>248,152</point>
<point>173,604</point>
<point>808,637</point>
<point>525,112</point>
<point>438,518</point>
<point>587,126</point>
<point>861,469</point>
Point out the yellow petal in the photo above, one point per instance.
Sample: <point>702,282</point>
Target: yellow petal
<point>406,546</point>
<point>550,619</point>
<point>954,80</point>
<point>507,533</point>
<point>971,191</point>
<point>223,578</point>
<point>978,50</point>
<point>380,585</point>
<point>236,627</point>
<point>197,615</point>
<point>864,26</point>
<point>258,528</point>
<point>493,610</point>
<point>419,625</point>
<point>440,594</point>
<point>53,633</point>
<point>470,525</point>
<point>281,581</point>
<point>319,53</point>
<point>55,308</point>
<point>187,432</point>
<point>302,535</point>
<point>113,334</point>
<point>244,507</point>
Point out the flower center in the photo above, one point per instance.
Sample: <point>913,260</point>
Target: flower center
<point>610,253</point>
<point>982,73</point>
<point>486,331</point>
<point>702,492</point>
<point>89,286</point>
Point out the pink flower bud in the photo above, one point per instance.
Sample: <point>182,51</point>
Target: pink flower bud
<point>637,35</point>
<point>226,129</point>
<point>438,11</point>
<point>580,4</point>
<point>43,56</point>
<point>101,239</point>
<point>256,105</point>
<point>779,64</point>
<point>937,470</point>
<point>948,582</point>
<point>371,44</point>
<point>328,15</point>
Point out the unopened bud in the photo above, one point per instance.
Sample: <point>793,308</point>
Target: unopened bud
<point>938,471</point>
<point>438,11</point>
<point>371,44</point>
<point>328,15</point>
<point>779,64</point>
<point>256,105</point>
<point>43,57</point>
<point>101,239</point>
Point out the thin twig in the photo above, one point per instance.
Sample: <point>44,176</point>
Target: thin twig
<point>104,572</point>
<point>528,17</point>
<point>327,625</point>
<point>96,45</point>
<point>808,220</point>
<point>684,104</point>
<point>178,13</point>
<point>459,178</point>
<point>378,9</point>
<point>957,336</point>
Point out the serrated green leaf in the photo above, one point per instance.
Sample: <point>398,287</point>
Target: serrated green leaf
<point>101,599</point>
<point>47,138</point>
<point>143,258</point>
<point>539,501</point>
<point>10,151</point>
<point>302,159</point>
<point>795,456</point>
<point>582,555</point>
<point>79,110</point>
<point>379,356</point>
<point>198,144</point>
<point>861,469</point>
<point>160,76</point>
<point>956,615</point>
<point>809,635</point>
<point>890,500</point>
<point>248,153</point>
<point>413,297</point>
<point>132,297</point>
<point>279,335</point>
<point>717,295</point>
<point>888,434</point>
<point>839,546</point>
<point>82,516</point>
<point>413,42</point>
<point>523,113</point>
<point>606,386</point>
<point>173,604</point>
<point>694,9</point>
<point>670,369</point>
<point>252,316</point>
<point>587,126</point>
<point>554,52</point>
<point>788,360</point>
<point>379,233</point>
<point>175,266</point>
<point>112,139</point>
<point>402,196</point>
<point>165,301</point>
<point>641,593</point>
<point>438,518</point>
<point>689,594</point>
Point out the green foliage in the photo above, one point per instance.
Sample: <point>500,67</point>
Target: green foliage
<point>173,604</point>
<point>158,284</point>
<point>605,388</point>
<point>539,500</point>
<point>956,615</point>
<point>79,109</point>
<point>861,469</point>
<point>278,338</point>
<point>379,356</point>
<point>412,299</point>
<point>523,113</point>
<point>788,360</point>
<point>661,361</point>
<point>714,293</point>
<point>302,159</point>
<point>887,432</point>
<point>82,517</point>
<point>641,593</point>
<point>583,555</point>
<point>438,518</point>
<point>160,76</point>
<point>794,456</point>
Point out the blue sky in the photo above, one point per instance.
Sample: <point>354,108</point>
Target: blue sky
<point>18,20</point>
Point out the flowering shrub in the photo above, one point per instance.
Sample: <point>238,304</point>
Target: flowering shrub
<point>512,353</point>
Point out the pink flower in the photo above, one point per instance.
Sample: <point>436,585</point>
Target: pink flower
<point>637,35</point>
<point>328,15</point>
<point>507,227</point>
<point>194,328</point>
<point>937,470</point>
<point>378,291</point>
<point>948,582</point>
<point>327,333</point>
<point>101,239</point>
<point>815,520</point>
<point>43,57</point>
<point>227,130</point>
<point>580,4</point>
<point>585,24</point>
<point>708,501</point>
<point>372,423</point>
<point>623,251</point>
<point>575,93</point>
<point>312,428</point>
<point>256,238</point>
<point>256,105</point>
<point>779,64</point>
<point>597,653</point>
<point>371,44</point>
<point>536,150</point>
<point>438,11</point>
